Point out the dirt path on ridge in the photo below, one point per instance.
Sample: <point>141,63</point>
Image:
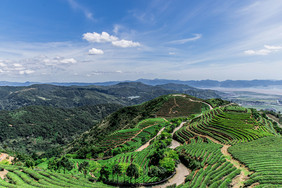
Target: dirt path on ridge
<point>202,102</point>
<point>179,127</point>
<point>180,95</point>
<point>237,182</point>
<point>175,143</point>
<point>144,146</point>
<point>175,105</point>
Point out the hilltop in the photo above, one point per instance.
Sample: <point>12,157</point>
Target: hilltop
<point>168,106</point>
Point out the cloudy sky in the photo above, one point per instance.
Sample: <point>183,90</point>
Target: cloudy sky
<point>94,40</point>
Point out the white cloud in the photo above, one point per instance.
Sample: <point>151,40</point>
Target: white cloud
<point>68,61</point>
<point>171,53</point>
<point>125,43</point>
<point>17,65</point>
<point>95,51</point>
<point>258,52</point>
<point>26,72</point>
<point>273,47</point>
<point>59,60</point>
<point>183,41</point>
<point>2,64</point>
<point>99,38</point>
<point>266,51</point>
<point>106,37</point>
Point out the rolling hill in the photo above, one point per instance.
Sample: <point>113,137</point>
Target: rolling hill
<point>168,106</point>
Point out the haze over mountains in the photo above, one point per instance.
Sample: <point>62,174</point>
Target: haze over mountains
<point>193,83</point>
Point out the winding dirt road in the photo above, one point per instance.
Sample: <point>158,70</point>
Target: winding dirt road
<point>179,178</point>
<point>237,182</point>
<point>181,170</point>
<point>174,143</point>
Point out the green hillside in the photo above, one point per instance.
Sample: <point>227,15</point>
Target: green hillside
<point>35,129</point>
<point>128,118</point>
<point>189,141</point>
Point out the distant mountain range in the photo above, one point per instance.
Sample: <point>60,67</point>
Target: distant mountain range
<point>125,94</point>
<point>193,83</point>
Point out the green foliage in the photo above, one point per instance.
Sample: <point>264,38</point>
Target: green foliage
<point>4,162</point>
<point>171,154</point>
<point>55,164</point>
<point>117,170</point>
<point>105,172</point>
<point>83,167</point>
<point>30,163</point>
<point>133,171</point>
<point>94,166</point>
<point>168,164</point>
<point>217,102</point>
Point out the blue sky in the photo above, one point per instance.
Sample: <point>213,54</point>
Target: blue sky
<point>94,41</point>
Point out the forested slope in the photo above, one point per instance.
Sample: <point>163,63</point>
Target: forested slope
<point>39,128</point>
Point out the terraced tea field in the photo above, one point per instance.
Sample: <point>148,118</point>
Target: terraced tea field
<point>22,177</point>
<point>131,139</point>
<point>139,158</point>
<point>206,140</point>
<point>264,157</point>
<point>229,125</point>
<point>209,165</point>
